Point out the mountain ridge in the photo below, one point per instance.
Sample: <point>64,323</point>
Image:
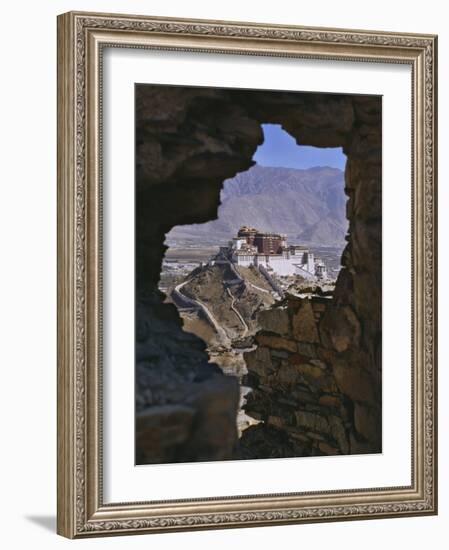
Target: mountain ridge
<point>309,205</point>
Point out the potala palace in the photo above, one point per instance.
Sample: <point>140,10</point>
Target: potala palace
<point>271,251</point>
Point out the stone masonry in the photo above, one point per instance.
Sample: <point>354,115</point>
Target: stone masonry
<point>310,387</point>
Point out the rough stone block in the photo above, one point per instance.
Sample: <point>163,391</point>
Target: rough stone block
<point>354,382</point>
<point>319,307</point>
<point>287,374</point>
<point>297,359</point>
<point>338,432</point>
<point>317,363</point>
<point>298,435</point>
<point>310,371</point>
<point>276,342</point>
<point>367,422</point>
<point>304,324</point>
<point>340,329</point>
<point>312,421</point>
<point>279,354</point>
<point>275,320</point>
<point>327,449</point>
<point>259,361</point>
<point>275,421</point>
<point>304,396</point>
<point>329,401</point>
<point>316,436</point>
<point>309,350</point>
<point>316,378</point>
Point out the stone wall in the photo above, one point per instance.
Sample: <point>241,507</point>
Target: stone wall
<point>188,141</point>
<point>305,393</point>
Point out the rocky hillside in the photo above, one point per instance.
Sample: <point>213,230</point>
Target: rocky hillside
<point>232,298</point>
<point>219,304</point>
<point>307,205</point>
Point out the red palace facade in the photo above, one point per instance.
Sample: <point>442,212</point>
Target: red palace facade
<point>266,243</point>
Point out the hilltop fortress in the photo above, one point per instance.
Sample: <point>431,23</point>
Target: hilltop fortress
<point>271,251</point>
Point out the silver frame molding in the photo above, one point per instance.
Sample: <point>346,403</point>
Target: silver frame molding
<point>81,37</point>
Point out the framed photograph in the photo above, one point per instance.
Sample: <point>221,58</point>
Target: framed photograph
<point>246,274</point>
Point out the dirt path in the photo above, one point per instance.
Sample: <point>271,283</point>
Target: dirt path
<point>200,305</point>
<point>235,310</point>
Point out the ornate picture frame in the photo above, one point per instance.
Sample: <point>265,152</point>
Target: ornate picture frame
<point>82,39</point>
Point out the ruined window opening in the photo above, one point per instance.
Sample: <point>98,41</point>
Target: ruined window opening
<point>280,230</point>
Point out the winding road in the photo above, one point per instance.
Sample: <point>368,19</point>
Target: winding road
<point>235,310</point>
<point>197,304</point>
<point>194,303</point>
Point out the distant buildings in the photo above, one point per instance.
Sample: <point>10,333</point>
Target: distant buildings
<point>270,250</point>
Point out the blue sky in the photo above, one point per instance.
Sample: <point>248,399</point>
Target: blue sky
<point>280,149</point>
